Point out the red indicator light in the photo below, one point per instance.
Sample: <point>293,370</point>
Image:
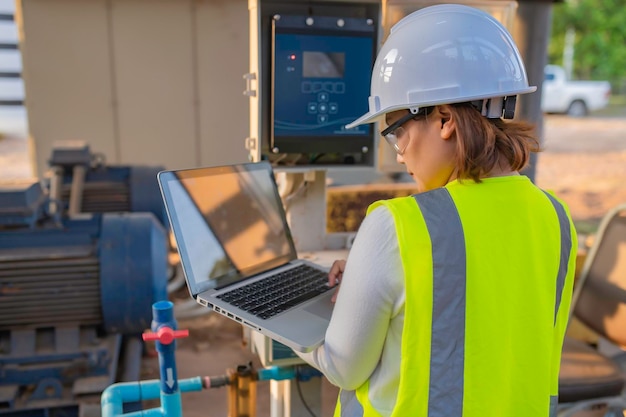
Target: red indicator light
<point>292,57</point>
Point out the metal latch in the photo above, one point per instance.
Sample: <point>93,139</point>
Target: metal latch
<point>249,77</point>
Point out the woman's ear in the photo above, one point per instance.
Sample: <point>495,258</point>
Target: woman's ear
<point>447,123</point>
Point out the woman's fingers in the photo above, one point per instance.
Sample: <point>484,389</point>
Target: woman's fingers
<point>335,275</point>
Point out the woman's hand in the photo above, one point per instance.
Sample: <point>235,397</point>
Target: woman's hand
<point>335,275</point>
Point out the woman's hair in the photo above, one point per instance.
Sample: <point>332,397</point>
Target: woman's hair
<point>484,143</point>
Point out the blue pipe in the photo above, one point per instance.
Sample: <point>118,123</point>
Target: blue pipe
<point>163,316</point>
<point>167,387</point>
<point>114,397</point>
<point>278,373</point>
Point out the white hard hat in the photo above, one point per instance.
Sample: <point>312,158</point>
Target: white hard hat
<point>444,54</point>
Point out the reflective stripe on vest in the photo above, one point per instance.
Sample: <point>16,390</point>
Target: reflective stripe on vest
<point>446,381</point>
<point>348,405</point>
<point>566,245</point>
<point>446,359</point>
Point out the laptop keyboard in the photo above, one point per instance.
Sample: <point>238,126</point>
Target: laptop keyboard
<point>273,295</point>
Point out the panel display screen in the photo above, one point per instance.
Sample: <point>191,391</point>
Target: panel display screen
<point>320,83</point>
<point>316,64</point>
<point>319,91</point>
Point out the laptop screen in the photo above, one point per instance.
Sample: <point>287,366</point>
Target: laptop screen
<point>228,222</point>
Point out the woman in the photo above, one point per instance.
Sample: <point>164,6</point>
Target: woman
<point>454,301</point>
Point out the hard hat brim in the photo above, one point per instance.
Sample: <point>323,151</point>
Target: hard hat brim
<point>365,119</point>
<point>371,117</point>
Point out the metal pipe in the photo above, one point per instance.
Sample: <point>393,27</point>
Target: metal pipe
<point>242,392</point>
<point>76,193</point>
<point>56,185</point>
<point>532,34</point>
<point>133,348</point>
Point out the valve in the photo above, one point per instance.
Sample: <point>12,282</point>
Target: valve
<point>165,335</point>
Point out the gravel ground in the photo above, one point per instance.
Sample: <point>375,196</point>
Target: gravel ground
<point>584,163</point>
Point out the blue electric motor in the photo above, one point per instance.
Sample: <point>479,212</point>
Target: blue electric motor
<point>83,183</point>
<point>69,287</point>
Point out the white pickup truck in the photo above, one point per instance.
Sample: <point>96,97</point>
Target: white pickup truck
<point>575,98</point>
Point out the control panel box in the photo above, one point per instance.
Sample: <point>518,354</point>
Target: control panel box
<point>320,82</point>
<point>310,75</point>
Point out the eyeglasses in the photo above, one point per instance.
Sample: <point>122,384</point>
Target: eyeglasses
<point>395,131</point>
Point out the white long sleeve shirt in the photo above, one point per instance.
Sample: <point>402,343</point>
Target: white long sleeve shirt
<point>364,338</point>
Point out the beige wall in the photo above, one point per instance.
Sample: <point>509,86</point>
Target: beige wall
<point>155,82</point>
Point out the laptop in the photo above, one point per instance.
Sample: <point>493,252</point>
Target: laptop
<point>236,249</point>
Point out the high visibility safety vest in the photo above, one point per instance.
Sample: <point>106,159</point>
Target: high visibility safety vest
<point>488,271</point>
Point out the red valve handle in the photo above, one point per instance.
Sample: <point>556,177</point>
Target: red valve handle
<point>165,335</point>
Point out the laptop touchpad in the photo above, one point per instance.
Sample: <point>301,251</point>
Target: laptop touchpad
<point>322,308</point>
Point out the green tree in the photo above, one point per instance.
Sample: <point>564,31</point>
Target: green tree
<point>600,41</point>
